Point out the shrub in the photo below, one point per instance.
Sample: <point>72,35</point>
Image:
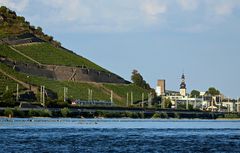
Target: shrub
<point>8,112</point>
<point>177,115</point>
<point>32,113</point>
<point>141,115</point>
<point>65,112</point>
<point>18,113</point>
<point>164,115</point>
<point>156,115</point>
<point>231,116</point>
<point>45,113</point>
<point>39,113</point>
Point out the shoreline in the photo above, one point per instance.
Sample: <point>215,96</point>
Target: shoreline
<point>101,113</point>
<point>134,119</point>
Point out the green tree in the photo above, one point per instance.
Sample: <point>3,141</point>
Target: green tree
<point>213,91</point>
<point>3,9</point>
<point>195,93</point>
<point>167,103</point>
<point>38,31</point>
<point>139,81</point>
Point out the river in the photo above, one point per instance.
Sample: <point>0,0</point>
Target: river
<point>118,135</point>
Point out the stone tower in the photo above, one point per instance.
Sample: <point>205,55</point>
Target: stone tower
<point>161,87</point>
<point>183,89</point>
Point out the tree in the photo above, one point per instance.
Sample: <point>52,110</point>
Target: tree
<point>195,93</point>
<point>3,9</point>
<point>38,31</point>
<point>137,78</point>
<point>167,103</point>
<point>139,81</point>
<point>213,91</point>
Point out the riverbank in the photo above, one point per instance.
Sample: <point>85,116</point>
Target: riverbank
<point>108,113</point>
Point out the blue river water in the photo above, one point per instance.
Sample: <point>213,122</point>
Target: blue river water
<point>118,135</point>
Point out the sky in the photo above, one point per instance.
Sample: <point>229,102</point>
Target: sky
<point>160,38</point>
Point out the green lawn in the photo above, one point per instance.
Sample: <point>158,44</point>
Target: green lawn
<point>45,53</point>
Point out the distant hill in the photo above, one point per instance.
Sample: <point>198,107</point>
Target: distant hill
<point>30,58</point>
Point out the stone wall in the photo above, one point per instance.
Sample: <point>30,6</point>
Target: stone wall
<point>65,73</point>
<point>22,39</point>
<point>84,74</point>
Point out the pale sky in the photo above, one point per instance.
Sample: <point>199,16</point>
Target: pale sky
<point>159,38</point>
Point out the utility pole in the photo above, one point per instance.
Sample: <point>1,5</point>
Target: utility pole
<point>65,92</point>
<point>127,99</point>
<point>219,106</point>
<point>212,103</point>
<point>142,99</point>
<point>91,91</point>
<point>163,103</point>
<point>17,96</point>
<point>131,98</point>
<point>195,102</point>
<point>176,104</point>
<point>111,97</point>
<point>149,100</point>
<point>228,105</point>
<point>238,110</point>
<point>89,95</point>
<point>42,95</point>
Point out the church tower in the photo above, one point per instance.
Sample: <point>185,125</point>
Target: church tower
<point>183,90</point>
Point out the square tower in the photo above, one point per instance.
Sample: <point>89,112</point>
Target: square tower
<point>161,87</point>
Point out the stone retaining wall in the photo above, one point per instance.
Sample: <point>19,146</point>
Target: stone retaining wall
<point>65,73</point>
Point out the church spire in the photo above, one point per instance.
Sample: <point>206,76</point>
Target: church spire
<point>183,90</point>
<point>183,83</point>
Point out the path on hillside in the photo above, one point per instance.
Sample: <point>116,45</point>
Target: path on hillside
<point>33,88</point>
<point>19,52</point>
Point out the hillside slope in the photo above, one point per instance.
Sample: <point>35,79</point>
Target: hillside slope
<point>26,53</point>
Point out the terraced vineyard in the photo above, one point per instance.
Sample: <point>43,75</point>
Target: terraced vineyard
<point>123,89</point>
<point>6,51</point>
<point>8,83</point>
<point>77,90</point>
<point>55,56</point>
